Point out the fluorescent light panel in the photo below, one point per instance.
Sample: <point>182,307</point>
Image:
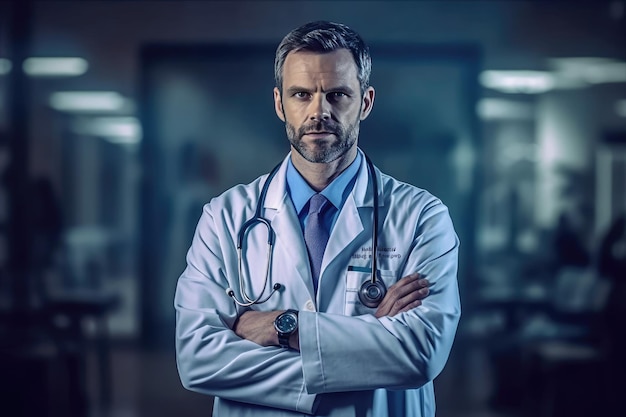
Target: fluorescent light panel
<point>518,82</point>
<point>120,130</point>
<point>48,67</point>
<point>504,109</point>
<point>567,73</point>
<point>88,101</point>
<point>55,67</point>
<point>590,70</point>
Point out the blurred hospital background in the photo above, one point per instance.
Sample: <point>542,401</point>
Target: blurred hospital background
<point>119,119</point>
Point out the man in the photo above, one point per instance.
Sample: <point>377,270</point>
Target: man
<point>287,333</point>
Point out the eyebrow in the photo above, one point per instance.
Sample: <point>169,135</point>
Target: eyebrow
<point>341,88</point>
<point>294,89</point>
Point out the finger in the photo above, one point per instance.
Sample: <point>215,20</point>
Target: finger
<point>405,286</point>
<point>422,293</point>
<point>410,306</point>
<point>405,301</point>
<point>383,308</point>
<point>392,305</point>
<point>408,302</point>
<point>411,277</point>
<point>410,284</point>
<point>385,305</point>
<point>416,277</point>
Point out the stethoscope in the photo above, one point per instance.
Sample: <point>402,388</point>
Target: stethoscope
<point>371,292</point>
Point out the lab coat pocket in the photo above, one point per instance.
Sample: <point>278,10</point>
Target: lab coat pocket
<point>355,277</point>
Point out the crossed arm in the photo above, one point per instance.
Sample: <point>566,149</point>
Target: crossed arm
<point>404,346</point>
<point>406,294</point>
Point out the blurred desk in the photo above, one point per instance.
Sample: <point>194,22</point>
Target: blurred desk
<point>514,304</point>
<point>44,352</point>
<point>67,313</point>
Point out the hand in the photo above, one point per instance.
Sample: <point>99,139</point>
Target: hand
<point>258,327</point>
<point>404,295</point>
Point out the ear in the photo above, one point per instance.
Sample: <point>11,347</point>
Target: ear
<point>367,103</point>
<point>278,105</point>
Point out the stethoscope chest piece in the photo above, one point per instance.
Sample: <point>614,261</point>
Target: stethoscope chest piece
<point>372,293</point>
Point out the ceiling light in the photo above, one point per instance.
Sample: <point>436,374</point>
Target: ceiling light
<point>503,109</point>
<point>120,130</point>
<point>55,67</point>
<point>590,70</point>
<point>89,101</point>
<point>5,66</point>
<point>518,82</point>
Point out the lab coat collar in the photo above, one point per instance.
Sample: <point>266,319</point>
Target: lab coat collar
<point>281,212</point>
<point>362,193</point>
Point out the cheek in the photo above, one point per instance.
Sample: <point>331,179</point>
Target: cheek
<point>354,113</point>
<point>294,114</point>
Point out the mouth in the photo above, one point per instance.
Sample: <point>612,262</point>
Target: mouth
<point>319,134</point>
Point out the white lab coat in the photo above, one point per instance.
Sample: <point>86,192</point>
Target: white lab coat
<point>350,363</point>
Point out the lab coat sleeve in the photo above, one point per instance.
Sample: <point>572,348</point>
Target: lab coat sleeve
<point>211,358</point>
<point>343,353</point>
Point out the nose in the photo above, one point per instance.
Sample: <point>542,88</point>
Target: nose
<point>320,108</point>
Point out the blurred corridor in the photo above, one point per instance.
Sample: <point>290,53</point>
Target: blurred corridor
<point>120,119</point>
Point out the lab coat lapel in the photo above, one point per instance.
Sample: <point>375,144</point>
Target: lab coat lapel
<point>349,224</point>
<point>347,227</point>
<point>289,239</point>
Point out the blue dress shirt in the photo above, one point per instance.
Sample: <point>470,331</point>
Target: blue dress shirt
<point>336,192</point>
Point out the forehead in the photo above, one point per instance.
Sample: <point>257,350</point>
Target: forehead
<point>331,67</point>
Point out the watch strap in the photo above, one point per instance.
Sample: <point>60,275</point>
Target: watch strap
<point>283,338</point>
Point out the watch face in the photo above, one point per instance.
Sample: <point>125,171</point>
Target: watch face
<point>287,323</point>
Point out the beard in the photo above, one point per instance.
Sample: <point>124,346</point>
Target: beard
<point>323,151</point>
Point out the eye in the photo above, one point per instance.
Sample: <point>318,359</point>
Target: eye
<point>301,94</point>
<point>336,96</point>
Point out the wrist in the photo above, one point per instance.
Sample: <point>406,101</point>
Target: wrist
<point>294,340</point>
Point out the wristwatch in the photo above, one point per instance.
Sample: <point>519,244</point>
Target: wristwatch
<point>286,324</point>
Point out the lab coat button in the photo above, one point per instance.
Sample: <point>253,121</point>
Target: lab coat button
<point>309,306</point>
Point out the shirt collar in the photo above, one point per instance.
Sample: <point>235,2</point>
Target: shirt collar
<point>336,192</point>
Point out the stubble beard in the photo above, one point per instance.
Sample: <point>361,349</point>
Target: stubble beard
<point>323,151</point>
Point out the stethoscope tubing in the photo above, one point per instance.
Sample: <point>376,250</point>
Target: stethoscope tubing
<point>371,293</point>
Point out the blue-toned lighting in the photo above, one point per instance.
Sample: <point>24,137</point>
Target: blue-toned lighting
<point>620,107</point>
<point>5,66</point>
<point>89,101</point>
<point>120,130</point>
<point>518,82</point>
<point>589,70</point>
<point>55,67</point>
<point>504,109</point>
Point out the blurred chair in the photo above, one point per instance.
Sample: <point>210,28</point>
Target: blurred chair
<point>564,350</point>
<point>540,330</point>
<point>77,310</point>
<point>69,314</point>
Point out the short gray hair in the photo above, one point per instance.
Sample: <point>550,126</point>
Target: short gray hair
<point>322,37</point>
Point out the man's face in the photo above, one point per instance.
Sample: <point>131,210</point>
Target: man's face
<point>321,104</point>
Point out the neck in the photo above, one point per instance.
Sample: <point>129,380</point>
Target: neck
<point>319,175</point>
